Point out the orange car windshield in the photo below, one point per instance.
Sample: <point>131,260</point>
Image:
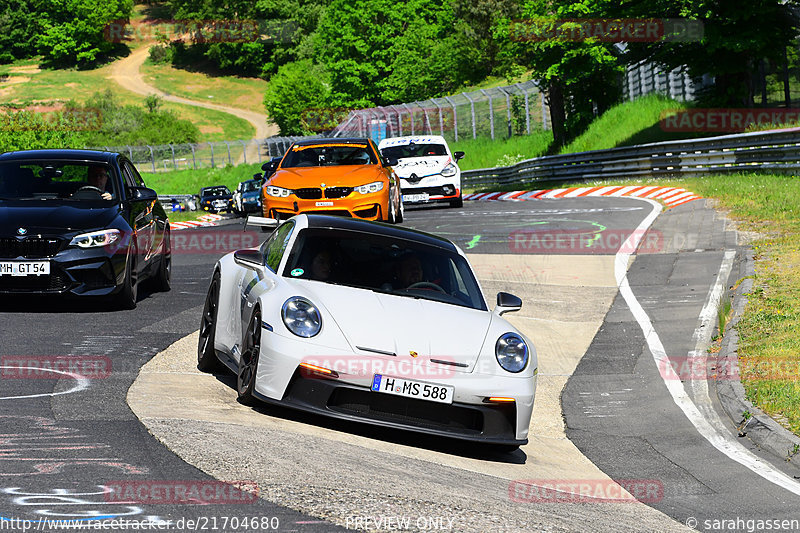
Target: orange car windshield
<point>329,155</point>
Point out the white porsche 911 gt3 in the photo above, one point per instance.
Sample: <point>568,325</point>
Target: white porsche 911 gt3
<point>369,322</point>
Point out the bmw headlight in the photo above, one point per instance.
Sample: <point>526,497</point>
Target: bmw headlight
<point>278,192</point>
<point>511,352</point>
<point>301,317</point>
<point>96,238</point>
<point>449,170</point>
<point>375,186</point>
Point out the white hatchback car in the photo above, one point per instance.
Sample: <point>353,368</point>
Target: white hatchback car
<point>428,171</point>
<point>373,323</point>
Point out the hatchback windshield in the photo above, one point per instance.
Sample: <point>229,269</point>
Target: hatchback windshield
<point>250,186</point>
<point>384,264</point>
<point>50,180</point>
<point>319,155</point>
<point>414,150</point>
<point>215,191</point>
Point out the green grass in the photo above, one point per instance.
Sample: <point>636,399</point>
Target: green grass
<point>244,93</point>
<point>627,124</point>
<point>486,153</point>
<point>28,84</point>
<point>190,181</point>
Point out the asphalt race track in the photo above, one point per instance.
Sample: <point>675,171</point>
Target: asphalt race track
<point>65,439</point>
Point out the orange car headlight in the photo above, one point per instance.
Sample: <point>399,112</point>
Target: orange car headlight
<point>375,186</point>
<point>278,192</point>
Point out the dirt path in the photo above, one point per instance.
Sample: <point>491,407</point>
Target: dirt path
<point>126,73</point>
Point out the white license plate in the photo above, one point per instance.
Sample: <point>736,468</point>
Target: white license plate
<point>26,268</point>
<point>416,197</point>
<point>324,204</point>
<point>413,389</point>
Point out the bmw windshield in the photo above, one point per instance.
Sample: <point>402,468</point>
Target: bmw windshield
<point>319,155</point>
<point>48,181</point>
<point>384,264</point>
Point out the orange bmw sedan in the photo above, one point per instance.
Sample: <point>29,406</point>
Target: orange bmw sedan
<point>346,177</point>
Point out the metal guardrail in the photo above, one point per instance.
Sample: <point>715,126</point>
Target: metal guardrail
<point>776,151</point>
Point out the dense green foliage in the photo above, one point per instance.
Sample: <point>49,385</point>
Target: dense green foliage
<point>64,32</point>
<point>293,92</point>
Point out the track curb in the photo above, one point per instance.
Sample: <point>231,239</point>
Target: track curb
<point>670,196</point>
<point>750,421</point>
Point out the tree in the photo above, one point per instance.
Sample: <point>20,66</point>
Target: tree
<point>297,89</point>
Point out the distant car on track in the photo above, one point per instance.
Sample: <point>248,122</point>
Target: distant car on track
<point>427,169</point>
<point>368,322</point>
<point>215,199</point>
<point>247,197</point>
<point>80,222</point>
<point>346,177</point>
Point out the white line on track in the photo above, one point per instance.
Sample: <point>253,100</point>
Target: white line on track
<point>81,383</point>
<point>705,420</point>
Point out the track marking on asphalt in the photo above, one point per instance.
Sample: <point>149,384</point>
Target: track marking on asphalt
<point>81,384</point>
<point>721,440</point>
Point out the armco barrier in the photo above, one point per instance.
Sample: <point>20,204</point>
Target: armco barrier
<point>773,151</point>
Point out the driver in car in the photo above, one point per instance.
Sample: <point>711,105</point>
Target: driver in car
<point>98,178</point>
<point>409,271</point>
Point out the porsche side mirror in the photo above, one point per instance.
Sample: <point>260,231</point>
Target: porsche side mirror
<point>266,224</point>
<point>458,155</point>
<point>507,303</point>
<point>251,259</point>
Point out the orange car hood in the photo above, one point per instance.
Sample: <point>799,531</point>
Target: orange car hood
<point>331,176</point>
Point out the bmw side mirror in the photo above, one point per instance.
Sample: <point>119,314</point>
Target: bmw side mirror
<point>251,259</point>
<point>143,194</point>
<point>458,155</point>
<point>392,161</point>
<point>507,303</point>
<point>257,176</point>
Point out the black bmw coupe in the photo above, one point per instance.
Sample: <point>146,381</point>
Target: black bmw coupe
<point>80,222</point>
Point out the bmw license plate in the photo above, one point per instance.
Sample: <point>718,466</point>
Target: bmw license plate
<point>411,198</point>
<point>24,268</point>
<point>413,389</point>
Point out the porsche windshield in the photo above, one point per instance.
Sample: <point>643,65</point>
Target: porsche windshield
<point>57,181</point>
<point>384,264</point>
<point>320,155</point>
<point>414,150</point>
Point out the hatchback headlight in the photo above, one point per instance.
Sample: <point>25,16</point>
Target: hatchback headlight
<point>511,352</point>
<point>96,238</point>
<point>301,317</point>
<point>375,186</point>
<point>449,170</point>
<point>278,192</point>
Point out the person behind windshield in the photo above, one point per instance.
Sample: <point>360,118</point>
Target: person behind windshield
<point>409,271</point>
<point>321,265</point>
<point>98,178</point>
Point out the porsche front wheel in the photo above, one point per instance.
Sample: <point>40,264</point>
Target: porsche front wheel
<point>248,364</point>
<point>206,356</point>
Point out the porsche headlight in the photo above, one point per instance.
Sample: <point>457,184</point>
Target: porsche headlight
<point>449,170</point>
<point>278,192</point>
<point>96,238</point>
<point>375,186</point>
<point>301,317</point>
<point>511,352</point>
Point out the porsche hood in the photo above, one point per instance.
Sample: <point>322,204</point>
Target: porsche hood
<point>375,323</point>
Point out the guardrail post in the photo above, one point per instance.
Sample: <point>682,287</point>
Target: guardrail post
<point>472,108</point>
<point>152,159</point>
<point>211,145</point>
<point>491,112</point>
<point>544,113</point>
<point>411,114</point>
<point>399,120</point>
<point>527,111</point>
<point>174,165</point>
<point>441,120</point>
<point>508,111</point>
<point>130,152</point>
<point>229,152</point>
<point>244,152</point>
<point>194,160</point>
